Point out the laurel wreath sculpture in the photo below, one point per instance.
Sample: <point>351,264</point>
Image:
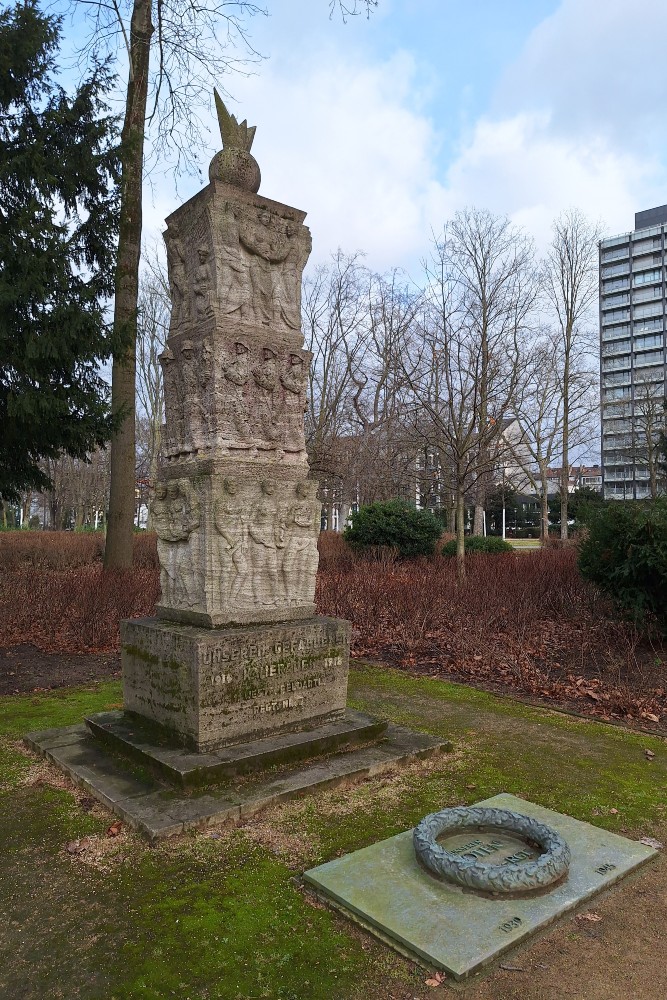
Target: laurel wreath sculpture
<point>551,865</point>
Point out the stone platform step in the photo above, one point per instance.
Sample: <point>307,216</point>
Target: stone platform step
<point>148,805</point>
<point>151,746</point>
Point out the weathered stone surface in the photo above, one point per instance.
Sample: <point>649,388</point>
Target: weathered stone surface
<point>215,688</point>
<point>129,735</point>
<point>236,517</point>
<point>451,927</point>
<point>157,812</point>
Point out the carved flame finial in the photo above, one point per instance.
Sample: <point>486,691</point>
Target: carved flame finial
<point>234,135</point>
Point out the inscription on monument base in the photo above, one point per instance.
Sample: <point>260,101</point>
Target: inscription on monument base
<point>218,688</point>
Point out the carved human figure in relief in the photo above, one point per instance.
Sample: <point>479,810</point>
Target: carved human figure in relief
<point>206,391</point>
<point>231,525</point>
<point>265,247</point>
<point>294,381</point>
<point>202,286</point>
<point>266,380</point>
<point>185,518</point>
<point>267,535</point>
<point>173,403</point>
<point>177,273</point>
<point>234,280</point>
<point>191,400</point>
<point>175,513</point>
<point>161,520</point>
<point>233,415</point>
<point>301,556</point>
<point>287,278</point>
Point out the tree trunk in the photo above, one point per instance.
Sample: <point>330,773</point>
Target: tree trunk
<point>565,466</point>
<point>118,549</point>
<point>460,538</point>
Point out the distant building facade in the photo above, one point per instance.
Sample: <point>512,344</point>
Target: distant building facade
<point>632,356</point>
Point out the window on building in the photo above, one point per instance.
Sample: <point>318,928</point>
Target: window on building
<point>609,270</point>
<point>611,301</point>
<point>615,316</point>
<point>645,343</point>
<point>616,378</point>
<point>616,364</point>
<point>654,309</point>
<point>649,358</point>
<point>644,325</point>
<point>623,393</point>
<point>615,284</point>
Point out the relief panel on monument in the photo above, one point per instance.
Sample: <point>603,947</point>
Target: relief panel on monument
<point>176,513</point>
<point>265,546</point>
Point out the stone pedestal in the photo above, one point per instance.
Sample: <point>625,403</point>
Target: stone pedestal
<point>216,688</point>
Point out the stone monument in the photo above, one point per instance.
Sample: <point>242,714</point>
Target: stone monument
<point>236,515</point>
<point>236,674</point>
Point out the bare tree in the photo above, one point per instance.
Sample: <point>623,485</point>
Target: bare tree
<point>453,372</point>
<point>648,426</point>
<point>570,281</point>
<point>152,328</point>
<point>175,50</point>
<point>492,263</point>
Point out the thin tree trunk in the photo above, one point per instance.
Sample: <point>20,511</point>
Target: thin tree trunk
<point>460,538</point>
<point>118,549</point>
<point>565,468</point>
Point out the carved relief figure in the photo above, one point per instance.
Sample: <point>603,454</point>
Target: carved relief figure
<point>230,522</point>
<point>234,278</point>
<point>191,400</point>
<point>175,512</point>
<point>265,247</point>
<point>177,272</point>
<point>185,518</point>
<point>162,525</point>
<point>202,286</point>
<point>266,379</point>
<point>173,403</point>
<point>294,381</point>
<point>206,390</point>
<point>287,286</point>
<point>236,372</point>
<point>267,535</point>
<point>301,556</point>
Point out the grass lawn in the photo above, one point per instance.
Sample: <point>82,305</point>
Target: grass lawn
<point>218,915</point>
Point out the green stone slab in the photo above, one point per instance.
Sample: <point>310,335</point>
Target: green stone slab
<point>385,889</point>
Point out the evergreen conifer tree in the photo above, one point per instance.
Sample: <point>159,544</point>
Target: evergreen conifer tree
<point>58,230</point>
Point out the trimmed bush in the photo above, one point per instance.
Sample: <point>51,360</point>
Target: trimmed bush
<point>625,554</point>
<point>479,543</point>
<point>393,524</point>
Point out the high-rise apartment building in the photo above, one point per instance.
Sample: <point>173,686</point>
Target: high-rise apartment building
<point>632,356</point>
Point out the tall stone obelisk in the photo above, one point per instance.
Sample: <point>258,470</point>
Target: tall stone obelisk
<point>236,516</point>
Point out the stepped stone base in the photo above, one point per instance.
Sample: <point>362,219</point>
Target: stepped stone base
<point>158,810</point>
<point>152,747</point>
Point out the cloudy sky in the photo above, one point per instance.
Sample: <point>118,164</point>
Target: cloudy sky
<point>382,128</point>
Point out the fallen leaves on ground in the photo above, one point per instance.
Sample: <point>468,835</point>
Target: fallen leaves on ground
<point>436,980</point>
<point>114,829</point>
<point>592,918</point>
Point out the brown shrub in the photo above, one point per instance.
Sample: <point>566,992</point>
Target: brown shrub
<point>73,610</point>
<point>66,549</point>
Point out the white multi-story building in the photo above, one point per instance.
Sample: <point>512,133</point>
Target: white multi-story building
<point>632,356</point>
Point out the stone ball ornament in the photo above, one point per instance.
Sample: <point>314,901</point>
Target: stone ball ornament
<point>465,868</point>
<point>236,167</point>
<point>234,164</point>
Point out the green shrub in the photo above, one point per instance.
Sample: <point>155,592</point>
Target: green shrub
<point>625,554</point>
<point>394,524</point>
<point>479,543</point>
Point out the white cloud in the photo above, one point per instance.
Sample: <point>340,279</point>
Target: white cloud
<point>348,138</point>
<point>518,166</point>
<point>598,67</point>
